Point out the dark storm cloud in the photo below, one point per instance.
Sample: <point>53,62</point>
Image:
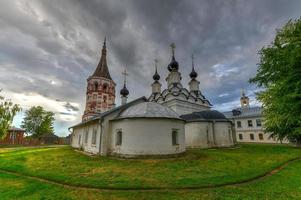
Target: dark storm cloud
<point>71,107</point>
<point>51,47</point>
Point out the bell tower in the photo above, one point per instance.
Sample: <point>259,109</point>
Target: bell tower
<point>244,100</point>
<point>100,95</point>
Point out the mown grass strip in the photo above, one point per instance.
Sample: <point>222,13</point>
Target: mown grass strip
<point>213,186</point>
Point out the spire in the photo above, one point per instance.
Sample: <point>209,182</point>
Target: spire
<point>102,67</point>
<point>156,76</point>
<point>193,73</point>
<point>242,92</point>
<point>173,47</point>
<point>124,91</point>
<point>173,65</point>
<point>104,43</point>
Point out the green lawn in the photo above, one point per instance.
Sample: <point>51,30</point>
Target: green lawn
<point>196,168</point>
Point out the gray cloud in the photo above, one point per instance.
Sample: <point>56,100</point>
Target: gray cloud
<point>51,47</point>
<point>70,107</point>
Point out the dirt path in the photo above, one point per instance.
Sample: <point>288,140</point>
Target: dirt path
<point>70,186</point>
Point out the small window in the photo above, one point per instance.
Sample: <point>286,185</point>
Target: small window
<point>79,139</point>
<point>95,86</point>
<point>105,99</point>
<point>238,123</point>
<point>258,122</point>
<point>86,136</point>
<point>251,136</point>
<point>240,136</point>
<point>119,138</point>
<point>94,136</point>
<point>105,87</point>
<point>260,135</point>
<point>250,124</point>
<point>175,137</point>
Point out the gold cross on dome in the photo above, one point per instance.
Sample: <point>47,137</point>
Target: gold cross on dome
<point>173,47</point>
<point>124,73</point>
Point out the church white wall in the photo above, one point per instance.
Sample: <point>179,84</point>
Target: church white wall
<point>223,134</point>
<point>79,138</point>
<point>197,134</point>
<point>75,141</point>
<point>146,136</point>
<point>204,134</point>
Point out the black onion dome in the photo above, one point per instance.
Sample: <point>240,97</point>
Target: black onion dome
<point>156,76</point>
<point>124,91</point>
<point>193,74</point>
<point>173,65</point>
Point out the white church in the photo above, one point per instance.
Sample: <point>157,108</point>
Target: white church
<point>165,124</point>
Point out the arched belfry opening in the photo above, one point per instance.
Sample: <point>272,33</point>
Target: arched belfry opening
<point>95,86</point>
<point>105,87</point>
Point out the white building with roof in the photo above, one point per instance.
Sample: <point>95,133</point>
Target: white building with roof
<point>164,124</point>
<point>207,129</point>
<point>248,123</point>
<point>148,129</point>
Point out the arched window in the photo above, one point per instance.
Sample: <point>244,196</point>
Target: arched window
<point>175,137</point>
<point>86,136</point>
<point>260,136</point>
<point>79,139</point>
<point>119,138</point>
<point>95,86</point>
<point>105,87</point>
<point>94,135</point>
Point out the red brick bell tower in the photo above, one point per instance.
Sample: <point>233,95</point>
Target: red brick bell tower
<point>100,95</point>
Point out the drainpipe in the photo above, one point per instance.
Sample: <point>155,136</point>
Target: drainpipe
<point>213,132</point>
<point>207,132</point>
<point>230,133</point>
<point>233,132</point>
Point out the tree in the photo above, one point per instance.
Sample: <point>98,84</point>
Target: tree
<point>8,110</point>
<point>279,74</point>
<point>38,121</point>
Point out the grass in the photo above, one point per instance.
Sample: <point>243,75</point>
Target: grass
<point>283,185</point>
<point>196,168</point>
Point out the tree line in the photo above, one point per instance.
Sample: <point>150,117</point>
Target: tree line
<point>37,120</point>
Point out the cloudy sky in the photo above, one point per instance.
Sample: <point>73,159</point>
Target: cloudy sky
<point>49,48</point>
